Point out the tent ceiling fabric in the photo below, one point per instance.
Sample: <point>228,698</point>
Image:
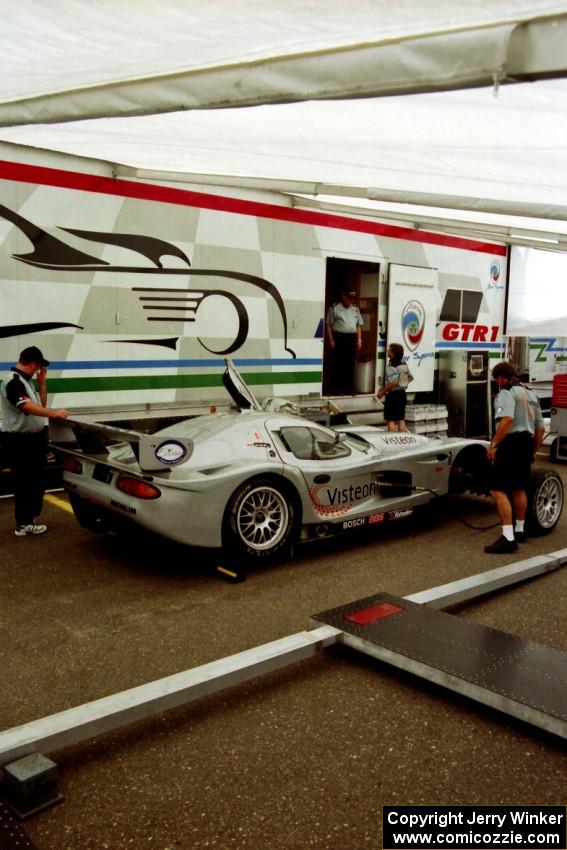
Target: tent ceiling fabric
<point>65,62</point>
<point>464,149</point>
<point>73,59</point>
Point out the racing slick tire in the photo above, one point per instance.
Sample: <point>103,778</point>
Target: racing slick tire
<point>545,501</point>
<point>260,519</point>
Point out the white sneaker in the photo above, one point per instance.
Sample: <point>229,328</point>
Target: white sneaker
<point>24,530</point>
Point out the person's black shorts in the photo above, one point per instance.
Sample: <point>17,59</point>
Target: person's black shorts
<point>395,406</point>
<point>513,461</point>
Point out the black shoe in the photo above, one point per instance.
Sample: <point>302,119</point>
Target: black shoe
<point>520,536</point>
<point>501,546</point>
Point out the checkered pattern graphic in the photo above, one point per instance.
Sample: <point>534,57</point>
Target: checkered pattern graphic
<point>136,332</point>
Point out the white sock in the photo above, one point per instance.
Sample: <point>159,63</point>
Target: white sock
<point>508,532</point>
<point>520,524</point>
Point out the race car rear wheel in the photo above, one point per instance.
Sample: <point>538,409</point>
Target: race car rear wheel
<point>260,519</point>
<point>545,501</point>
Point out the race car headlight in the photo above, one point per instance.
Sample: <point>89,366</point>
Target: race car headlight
<point>135,487</point>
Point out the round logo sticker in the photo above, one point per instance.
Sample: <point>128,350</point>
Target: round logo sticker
<point>495,270</point>
<point>170,451</point>
<point>413,324</point>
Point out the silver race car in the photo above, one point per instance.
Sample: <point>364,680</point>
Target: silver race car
<point>254,482</point>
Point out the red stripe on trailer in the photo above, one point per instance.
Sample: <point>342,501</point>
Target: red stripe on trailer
<point>25,173</point>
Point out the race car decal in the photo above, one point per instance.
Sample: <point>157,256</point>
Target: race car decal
<point>353,493</point>
<point>170,452</point>
<point>122,507</point>
<point>336,501</point>
<point>400,514</point>
<point>326,510</point>
<point>373,519</point>
<point>399,440</point>
<point>357,522</point>
<point>376,518</point>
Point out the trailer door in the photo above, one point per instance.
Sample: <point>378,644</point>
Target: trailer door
<point>413,302</point>
<point>362,277</point>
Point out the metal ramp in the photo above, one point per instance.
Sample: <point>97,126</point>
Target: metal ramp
<point>511,674</point>
<point>504,671</point>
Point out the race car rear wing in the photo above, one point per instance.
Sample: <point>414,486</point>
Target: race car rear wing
<point>154,453</point>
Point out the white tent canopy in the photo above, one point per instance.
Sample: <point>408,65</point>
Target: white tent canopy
<point>466,150</point>
<point>73,60</point>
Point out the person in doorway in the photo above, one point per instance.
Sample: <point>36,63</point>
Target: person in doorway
<point>344,337</point>
<point>396,381</point>
<point>24,436</point>
<point>519,434</point>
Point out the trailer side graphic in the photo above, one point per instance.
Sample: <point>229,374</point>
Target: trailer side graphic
<point>102,271</point>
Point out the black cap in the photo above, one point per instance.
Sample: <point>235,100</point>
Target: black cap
<point>347,290</point>
<point>33,355</point>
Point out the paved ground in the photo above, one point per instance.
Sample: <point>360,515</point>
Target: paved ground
<point>303,758</point>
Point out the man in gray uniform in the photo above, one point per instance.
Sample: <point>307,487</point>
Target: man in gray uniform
<point>518,436</point>
<point>344,324</point>
<point>24,436</point>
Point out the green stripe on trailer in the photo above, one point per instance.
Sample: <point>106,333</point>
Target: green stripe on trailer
<point>162,382</point>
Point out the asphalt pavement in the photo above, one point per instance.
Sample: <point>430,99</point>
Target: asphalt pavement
<point>302,758</point>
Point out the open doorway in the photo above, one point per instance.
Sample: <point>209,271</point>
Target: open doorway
<point>361,279</point>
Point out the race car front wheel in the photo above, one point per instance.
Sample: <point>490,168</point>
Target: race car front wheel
<point>545,501</point>
<point>260,519</point>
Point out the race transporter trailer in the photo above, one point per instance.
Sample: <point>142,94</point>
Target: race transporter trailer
<point>137,289</point>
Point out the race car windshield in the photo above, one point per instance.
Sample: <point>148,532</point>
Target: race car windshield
<point>312,444</point>
<point>355,441</point>
<point>315,444</point>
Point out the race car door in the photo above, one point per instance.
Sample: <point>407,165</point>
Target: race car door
<point>413,302</point>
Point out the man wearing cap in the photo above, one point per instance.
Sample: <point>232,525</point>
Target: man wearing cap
<point>344,324</point>
<point>24,435</point>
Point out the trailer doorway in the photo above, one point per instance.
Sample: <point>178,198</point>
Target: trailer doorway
<point>362,277</point>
